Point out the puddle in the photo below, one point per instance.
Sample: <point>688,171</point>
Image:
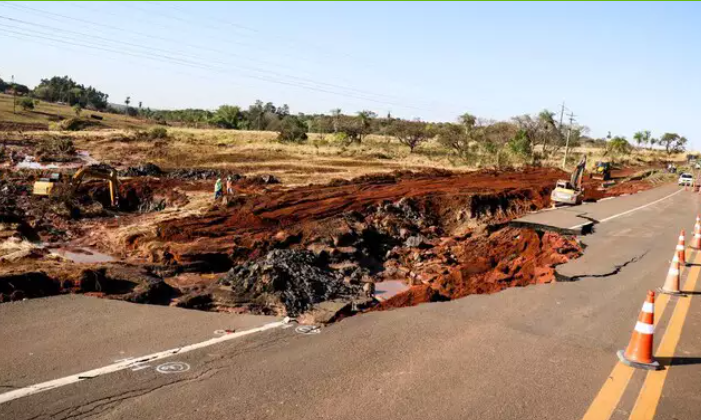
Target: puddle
<point>30,163</point>
<point>387,289</point>
<point>82,255</point>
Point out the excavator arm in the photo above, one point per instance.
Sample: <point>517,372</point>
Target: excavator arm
<point>98,172</point>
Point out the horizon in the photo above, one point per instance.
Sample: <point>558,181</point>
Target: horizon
<point>586,55</point>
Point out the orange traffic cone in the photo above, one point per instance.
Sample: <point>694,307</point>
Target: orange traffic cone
<point>696,241</point>
<point>681,248</point>
<point>671,284</point>
<point>638,354</point>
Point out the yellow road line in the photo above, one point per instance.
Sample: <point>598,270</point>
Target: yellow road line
<point>610,394</point>
<point>649,398</point>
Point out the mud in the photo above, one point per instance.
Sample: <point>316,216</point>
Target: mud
<point>429,236</point>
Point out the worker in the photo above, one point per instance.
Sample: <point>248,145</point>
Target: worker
<point>218,189</point>
<point>229,186</point>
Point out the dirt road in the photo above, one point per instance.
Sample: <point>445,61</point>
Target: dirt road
<point>542,352</point>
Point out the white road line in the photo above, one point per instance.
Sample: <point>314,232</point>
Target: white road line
<point>629,211</point>
<point>129,363</point>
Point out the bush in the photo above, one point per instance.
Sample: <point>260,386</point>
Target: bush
<point>292,129</point>
<point>77,109</point>
<point>26,103</point>
<point>158,133</point>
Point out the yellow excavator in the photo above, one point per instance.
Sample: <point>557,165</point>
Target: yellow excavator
<point>569,192</point>
<point>47,186</point>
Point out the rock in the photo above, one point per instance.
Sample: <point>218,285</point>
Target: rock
<point>346,250</point>
<point>283,239</point>
<point>416,241</point>
<point>148,169</point>
<point>284,282</point>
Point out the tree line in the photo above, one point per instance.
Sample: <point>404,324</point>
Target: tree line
<point>528,138</point>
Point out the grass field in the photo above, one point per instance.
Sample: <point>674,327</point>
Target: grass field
<point>46,112</point>
<point>321,158</point>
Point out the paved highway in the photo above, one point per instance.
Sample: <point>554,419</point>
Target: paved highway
<point>540,352</point>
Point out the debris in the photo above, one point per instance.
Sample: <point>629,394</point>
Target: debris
<point>284,282</point>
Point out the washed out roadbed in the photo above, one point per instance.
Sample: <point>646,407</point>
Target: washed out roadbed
<point>316,251</point>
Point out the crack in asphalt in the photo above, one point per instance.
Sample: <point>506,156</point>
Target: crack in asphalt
<point>100,405</point>
<point>617,269</point>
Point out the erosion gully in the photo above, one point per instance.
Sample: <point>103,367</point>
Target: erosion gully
<point>314,252</point>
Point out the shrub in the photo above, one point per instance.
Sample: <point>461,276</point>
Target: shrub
<point>26,103</point>
<point>158,133</point>
<point>77,109</point>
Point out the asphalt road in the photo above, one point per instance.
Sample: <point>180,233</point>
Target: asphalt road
<point>540,352</point>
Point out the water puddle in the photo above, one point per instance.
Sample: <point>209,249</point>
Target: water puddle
<point>387,289</point>
<point>29,162</point>
<point>82,255</point>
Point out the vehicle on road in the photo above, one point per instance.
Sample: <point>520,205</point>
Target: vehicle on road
<point>569,192</point>
<point>686,180</point>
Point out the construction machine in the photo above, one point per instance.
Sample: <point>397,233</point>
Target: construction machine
<point>602,171</point>
<point>569,192</point>
<point>47,186</point>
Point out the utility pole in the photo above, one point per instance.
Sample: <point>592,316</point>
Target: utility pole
<point>14,96</point>
<point>562,113</point>
<point>567,140</point>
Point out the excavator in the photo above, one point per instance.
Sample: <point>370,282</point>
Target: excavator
<point>569,192</point>
<point>602,171</point>
<point>47,186</point>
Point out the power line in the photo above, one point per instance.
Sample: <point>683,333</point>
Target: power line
<point>177,61</point>
<point>249,68</point>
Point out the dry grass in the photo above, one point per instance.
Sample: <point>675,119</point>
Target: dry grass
<point>318,160</point>
<point>46,112</point>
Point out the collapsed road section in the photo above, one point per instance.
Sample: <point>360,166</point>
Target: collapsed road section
<point>315,252</point>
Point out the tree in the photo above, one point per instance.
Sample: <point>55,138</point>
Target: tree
<point>127,101</point>
<point>410,133</point>
<point>140,103</point>
<point>64,89</point>
<point>336,115</point>
<point>673,143</point>
<point>227,116</point>
<point>542,131</point>
<point>26,103</point>
<point>643,138</point>
<point>77,109</point>
<point>366,118</point>
<point>292,129</point>
<point>618,146</point>
<point>349,127</point>
<point>468,121</point>
<point>494,140</point>
<point>455,138</point>
<point>520,145</point>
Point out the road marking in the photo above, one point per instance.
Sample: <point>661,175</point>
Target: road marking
<point>130,363</point>
<point>173,367</point>
<point>649,398</point>
<point>610,394</point>
<point>629,211</point>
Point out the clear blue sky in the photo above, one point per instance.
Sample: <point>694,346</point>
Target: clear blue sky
<point>620,67</point>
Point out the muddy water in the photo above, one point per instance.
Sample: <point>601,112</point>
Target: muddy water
<point>82,255</point>
<point>30,163</point>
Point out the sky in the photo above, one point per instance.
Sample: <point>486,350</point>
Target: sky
<point>619,67</point>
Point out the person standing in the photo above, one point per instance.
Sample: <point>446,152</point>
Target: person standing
<point>218,189</point>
